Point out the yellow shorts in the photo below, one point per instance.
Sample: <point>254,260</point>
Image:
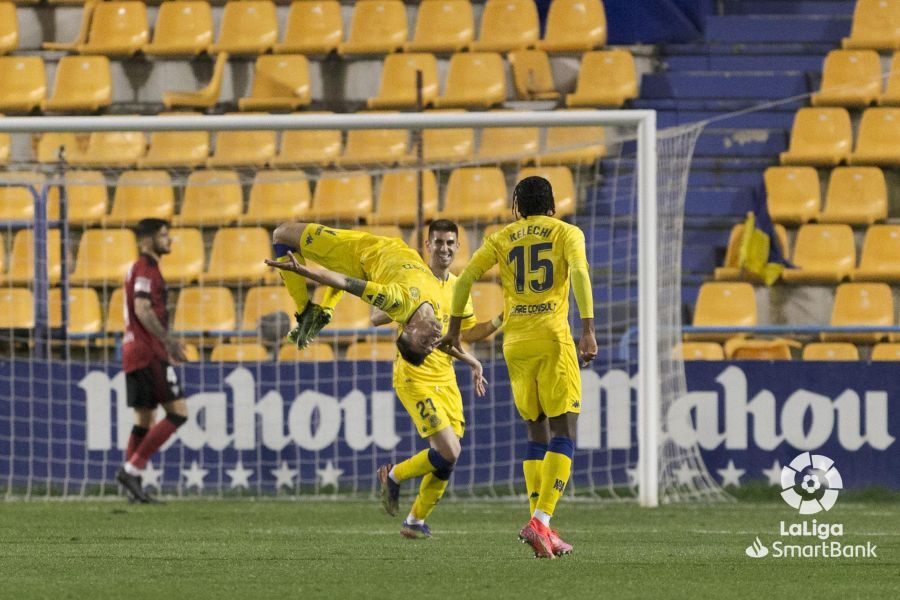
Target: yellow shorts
<point>335,249</point>
<point>433,407</point>
<point>545,377</point>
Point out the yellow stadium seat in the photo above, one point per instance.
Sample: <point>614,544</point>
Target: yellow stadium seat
<point>573,146</point>
<point>792,194</point>
<point>115,312</point>
<point>349,313</point>
<point>2,259</point>
<point>184,264</point>
<point>885,351</point>
<point>84,28</point>
<point>313,27</point>
<point>104,256</point>
<point>176,148</point>
<point>263,300</point>
<point>487,298</point>
<point>279,83</point>
<point>50,145</point>
<point>243,148</point>
<point>724,304</point>
<point>830,351</point>
<point>318,147</point>
<point>822,253</point>
<point>245,352</point>
<point>398,82</point>
<point>700,351</point>
<point>574,26</point>
<point>22,262</point>
<point>237,256</point>
<point>863,304</point>
<point>507,25</point>
<point>375,147</point>
<point>183,28</point>
<point>880,259</point>
<point>384,351</point>
<point>398,197</point>
<point>117,29</point>
<point>508,144</point>
<point>141,195</point>
<point>850,78</point>
<point>342,197</point>
<point>738,348</point>
<point>856,195</point>
<point>112,149</point>
<point>891,95</point>
<point>462,255</point>
<point>820,137</point>
<point>5,147</point>
<point>86,198</point>
<point>277,196</point>
<point>532,76</point>
<point>17,202</point>
<point>442,26</point>
<point>606,78</point>
<point>474,80</point>
<point>205,97</point>
<point>562,183</point>
<point>476,194</point>
<point>248,27</point>
<point>448,145</point>
<point>204,309</point>
<point>23,85</point>
<point>876,25</point>
<point>731,269</point>
<point>878,138</point>
<point>84,312</point>
<point>377,27</point>
<point>211,199</point>
<point>16,308</point>
<point>82,83</point>
<point>9,28</point>
<point>315,352</point>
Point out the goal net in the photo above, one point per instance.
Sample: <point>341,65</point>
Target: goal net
<point>267,419</point>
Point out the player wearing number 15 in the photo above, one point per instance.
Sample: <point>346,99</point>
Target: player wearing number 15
<point>538,256</point>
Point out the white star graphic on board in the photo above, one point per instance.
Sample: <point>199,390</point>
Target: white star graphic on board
<point>773,474</point>
<point>632,477</point>
<point>284,476</point>
<point>194,476</point>
<point>685,475</point>
<point>329,475</point>
<point>150,476</point>
<point>240,477</point>
<point>731,475</point>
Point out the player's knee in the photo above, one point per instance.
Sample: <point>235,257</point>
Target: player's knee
<point>443,467</point>
<point>176,419</point>
<point>561,444</point>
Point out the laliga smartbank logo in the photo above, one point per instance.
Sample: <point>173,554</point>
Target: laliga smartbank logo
<point>810,484</point>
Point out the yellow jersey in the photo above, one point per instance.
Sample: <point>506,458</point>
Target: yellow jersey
<point>535,255</point>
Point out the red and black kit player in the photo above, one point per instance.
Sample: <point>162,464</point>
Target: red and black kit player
<point>149,355</point>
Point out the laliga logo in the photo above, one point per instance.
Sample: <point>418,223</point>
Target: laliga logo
<point>810,483</point>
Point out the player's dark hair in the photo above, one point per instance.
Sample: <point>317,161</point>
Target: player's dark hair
<point>149,227</point>
<point>443,225</point>
<point>533,196</point>
<point>413,356</point>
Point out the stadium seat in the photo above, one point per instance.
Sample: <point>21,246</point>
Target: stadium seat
<point>574,26</point>
<point>375,147</point>
<point>176,148</point>
<point>204,310</point>
<point>830,351</point>
<point>117,29</point>
<point>792,194</point>
<point>279,83</point>
<point>377,27</point>
<point>474,80</point>
<point>86,198</point>
<point>885,351</point>
<point>864,304</point>
<point>22,262</point>
<point>606,78</point>
<point>115,312</point>
<point>50,145</point>
<point>315,147</point>
<point>573,146</point>
<point>112,149</point>
<point>878,138</point>
<point>2,258</point>
<point>507,25</point>
<point>532,75</point>
<point>476,194</point>
<point>84,312</point>
<point>17,202</point>
<point>84,28</point>
<point>442,26</point>
<point>5,147</point>
<point>313,27</point>
<point>183,28</point>
<point>9,28</point>
<point>876,25</point>
<point>349,313</point>
<point>211,199</point>
<point>104,256</point>
<point>264,300</point>
<point>345,196</point>
<point>880,258</point>
<point>856,195</point>
<point>205,97</point>
<point>82,83</point>
<point>23,85</point>
<point>448,145</point>
<point>739,348</point>
<point>248,27</point>
<point>462,255</point>
<point>699,351</point>
<point>487,298</point>
<point>277,196</point>
<point>731,269</point>
<point>820,137</point>
<point>384,351</point>
<point>315,352</point>
<point>850,78</point>
<point>563,185</point>
<point>184,264</point>
<point>508,144</point>
<point>723,304</point>
<point>16,308</point>
<point>891,95</point>
<point>237,256</point>
<point>244,352</point>
<point>243,148</point>
<point>398,197</point>
<point>822,253</point>
<point>141,195</point>
<point>398,82</point>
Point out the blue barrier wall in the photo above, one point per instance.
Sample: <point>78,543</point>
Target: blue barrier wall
<point>656,21</point>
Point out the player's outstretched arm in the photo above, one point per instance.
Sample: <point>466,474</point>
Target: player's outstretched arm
<point>324,276</point>
<point>482,330</point>
<point>478,380</point>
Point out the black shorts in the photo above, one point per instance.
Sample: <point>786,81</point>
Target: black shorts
<point>155,384</point>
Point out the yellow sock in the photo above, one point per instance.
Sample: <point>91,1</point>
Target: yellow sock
<point>430,491</point>
<point>554,476</point>
<point>414,466</point>
<point>295,284</point>
<point>532,470</point>
<point>331,297</point>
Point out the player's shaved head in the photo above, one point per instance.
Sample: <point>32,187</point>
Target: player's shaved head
<point>411,352</point>
<point>533,196</point>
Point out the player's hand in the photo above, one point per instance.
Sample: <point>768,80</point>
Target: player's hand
<point>292,264</point>
<point>175,349</point>
<point>587,348</point>
<point>478,380</point>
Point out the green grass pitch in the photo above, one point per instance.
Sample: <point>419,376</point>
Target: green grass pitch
<point>245,549</point>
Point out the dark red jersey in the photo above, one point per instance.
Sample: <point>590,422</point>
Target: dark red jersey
<point>139,346</point>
